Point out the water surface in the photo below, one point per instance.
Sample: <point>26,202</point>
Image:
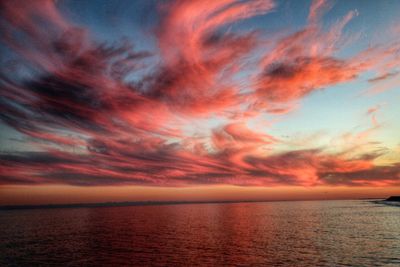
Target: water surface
<point>309,233</point>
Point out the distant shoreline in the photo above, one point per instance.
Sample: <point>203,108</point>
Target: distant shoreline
<point>151,203</point>
<point>390,201</point>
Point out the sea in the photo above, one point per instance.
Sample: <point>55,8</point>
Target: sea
<point>289,233</point>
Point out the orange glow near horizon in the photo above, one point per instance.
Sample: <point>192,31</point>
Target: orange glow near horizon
<point>64,194</point>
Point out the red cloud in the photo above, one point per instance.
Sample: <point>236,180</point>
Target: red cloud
<point>199,60</point>
<point>304,61</point>
<point>293,80</point>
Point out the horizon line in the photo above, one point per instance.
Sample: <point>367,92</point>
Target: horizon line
<point>155,203</point>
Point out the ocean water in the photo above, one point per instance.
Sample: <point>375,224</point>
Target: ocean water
<point>309,233</point>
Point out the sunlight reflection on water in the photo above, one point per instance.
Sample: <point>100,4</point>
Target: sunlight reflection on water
<point>309,233</point>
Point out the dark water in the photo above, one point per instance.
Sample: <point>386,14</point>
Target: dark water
<point>314,233</point>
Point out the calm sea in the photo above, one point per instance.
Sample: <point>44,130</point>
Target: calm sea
<point>309,233</point>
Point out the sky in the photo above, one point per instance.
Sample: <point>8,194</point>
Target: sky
<point>198,100</point>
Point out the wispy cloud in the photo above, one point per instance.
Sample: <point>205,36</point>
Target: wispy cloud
<point>96,126</point>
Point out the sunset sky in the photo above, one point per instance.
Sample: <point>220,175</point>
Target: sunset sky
<point>198,100</point>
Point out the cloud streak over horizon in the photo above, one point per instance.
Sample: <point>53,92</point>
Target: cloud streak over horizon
<point>193,107</point>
